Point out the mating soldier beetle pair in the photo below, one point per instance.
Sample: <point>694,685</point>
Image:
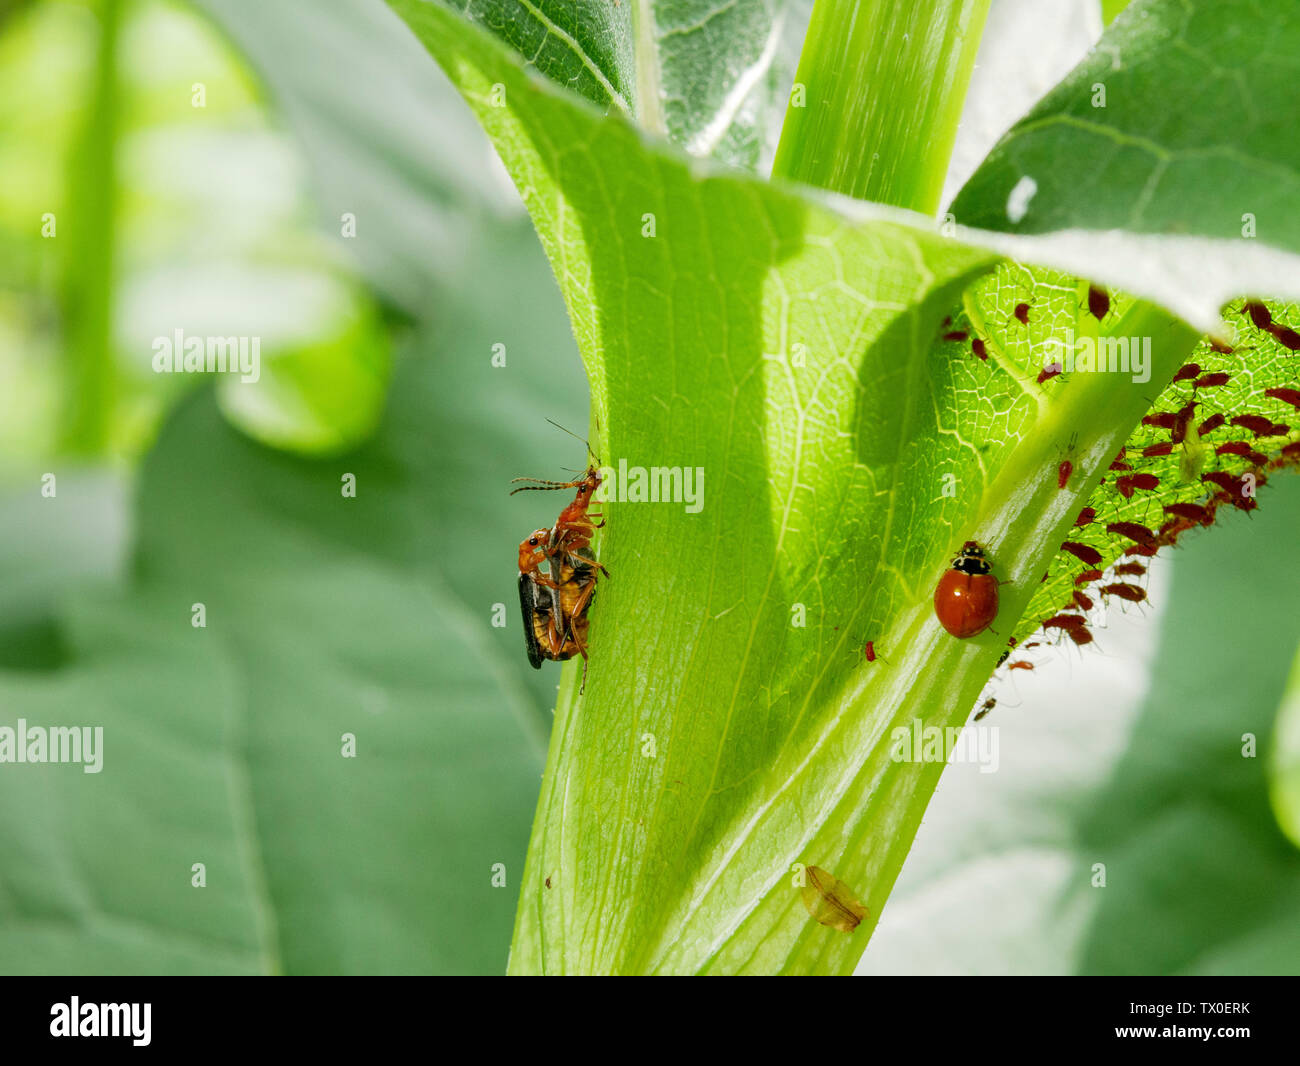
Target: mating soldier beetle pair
<point>555,604</point>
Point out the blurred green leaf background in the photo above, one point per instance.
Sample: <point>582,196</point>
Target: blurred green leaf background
<point>380,616</point>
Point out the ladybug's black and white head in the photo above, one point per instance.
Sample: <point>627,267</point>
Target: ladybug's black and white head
<point>971,560</point>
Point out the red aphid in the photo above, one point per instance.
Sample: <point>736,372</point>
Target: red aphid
<point>1145,550</point>
<point>1127,483</point>
<point>1133,531</point>
<point>1186,371</point>
<point>1229,483</point>
<point>1085,554</point>
<point>1240,447</point>
<point>1132,593</point>
<point>1292,450</point>
<point>1259,314</point>
<point>1193,512</point>
<point>1086,516</point>
<point>977,346</point>
<point>966,598</point>
<point>1291,396</point>
<point>1080,636</point>
<point>1048,372</point>
<point>1086,576</point>
<point>1163,420</point>
<point>1020,664</point>
<point>1171,530</point>
<point>1082,602</point>
<point>1210,381</point>
<point>1119,464</point>
<point>1022,312</point>
<point>1287,337</point>
<point>1154,450</point>
<point>1131,569</point>
<point>1220,347</point>
<point>956,335</point>
<point>870,651</point>
<point>1063,473</point>
<point>1260,426</point>
<point>1098,301</point>
<point>1210,424</point>
<point>1183,417</point>
<point>1064,621</point>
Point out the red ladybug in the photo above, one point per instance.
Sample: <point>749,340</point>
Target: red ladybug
<point>966,599</point>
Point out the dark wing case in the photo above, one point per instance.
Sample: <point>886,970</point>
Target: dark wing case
<point>528,608</point>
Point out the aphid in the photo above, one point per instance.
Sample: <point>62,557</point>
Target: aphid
<point>869,651</point>
<point>1210,425</point>
<point>1259,314</point>
<point>1064,621</point>
<point>1291,396</point>
<point>1118,464</point>
<point>1132,593</point>
<point>1133,531</point>
<point>1084,553</point>
<point>1132,569</point>
<point>1098,301</point>
<point>1086,516</point>
<point>1020,664</point>
<point>977,346</point>
<point>1241,448</point>
<point>1229,483</point>
<point>1261,426</point>
<point>1287,337</point>
<point>1129,483</point>
<point>830,901</point>
<point>1049,371</point>
<point>1022,313</point>
<point>1079,635</point>
<point>1171,530</point>
<point>1082,602</point>
<point>966,598</point>
<point>956,335</point>
<point>1186,371</point>
<point>1181,420</point>
<point>1220,347</point>
<point>985,707</point>
<point>1145,550</point>
<point>1063,473</point>
<point>1087,576</point>
<point>1193,512</point>
<point>1291,450</point>
<point>1162,420</point>
<point>1210,381</point>
<point>1154,450</point>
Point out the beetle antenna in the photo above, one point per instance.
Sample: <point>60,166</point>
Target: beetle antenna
<point>575,437</point>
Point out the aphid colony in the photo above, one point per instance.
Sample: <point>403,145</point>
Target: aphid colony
<point>555,604</point>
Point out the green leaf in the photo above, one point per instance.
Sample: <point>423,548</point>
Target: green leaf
<point>781,342</point>
<point>1193,137</point>
<point>1284,758</point>
<point>1157,768</point>
<point>713,77</point>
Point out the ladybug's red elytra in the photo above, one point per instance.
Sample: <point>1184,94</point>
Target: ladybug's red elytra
<point>966,598</point>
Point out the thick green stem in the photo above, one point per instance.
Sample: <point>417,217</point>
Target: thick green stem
<point>90,374</point>
<point>878,98</point>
